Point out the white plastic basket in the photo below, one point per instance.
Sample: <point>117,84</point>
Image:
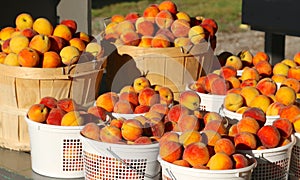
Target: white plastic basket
<point>175,172</point>
<point>210,102</point>
<point>295,159</point>
<point>272,163</point>
<point>56,151</point>
<point>126,116</point>
<point>120,161</point>
<point>234,117</point>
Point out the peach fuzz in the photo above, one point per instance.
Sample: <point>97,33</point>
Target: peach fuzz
<point>260,56</point>
<point>220,161</point>
<point>266,86</point>
<point>51,59</point>
<point>167,33</point>
<point>233,101</point>
<point>170,151</point>
<point>294,72</point>
<point>289,112</point>
<point>160,41</point>
<point>269,136</point>
<point>28,32</point>
<point>131,129</point>
<point>245,141</point>
<point>248,124</point>
<point>168,5</point>
<point>291,82</point>
<point>224,145</point>
<point>63,31</point>
<point>92,131</point>
<point>196,154</point>
<point>284,126</point>
<point>131,97</point>
<point>188,122</point>
<point>219,86</point>
<point>69,55</point>
<point>72,118</point>
<point>285,95</point>
<point>164,19</point>
<point>110,134</point>
<point>140,83</point>
<point>189,136</point>
<point>217,126</point>
<point>38,112</point>
<point>28,57</point>
<point>210,137</point>
<point>189,99</point>
<point>11,59</point>
<point>239,161</point>
<point>249,93</point>
<point>180,28</point>
<point>72,24</point>
<point>182,162</point>
<point>107,100</point>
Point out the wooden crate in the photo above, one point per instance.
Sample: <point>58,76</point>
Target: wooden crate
<point>21,87</point>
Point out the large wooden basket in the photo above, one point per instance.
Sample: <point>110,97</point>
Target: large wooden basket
<point>21,87</point>
<point>173,67</point>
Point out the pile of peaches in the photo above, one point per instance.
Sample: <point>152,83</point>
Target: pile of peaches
<point>38,43</point>
<point>159,26</point>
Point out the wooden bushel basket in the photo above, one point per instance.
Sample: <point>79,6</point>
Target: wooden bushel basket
<point>173,67</point>
<point>21,87</point>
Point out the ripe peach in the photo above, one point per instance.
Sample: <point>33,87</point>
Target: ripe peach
<point>208,79</point>
<point>17,43</point>
<point>296,58</point>
<point>196,154</point>
<point>110,134</point>
<point>160,108</point>
<point>107,101</point>
<point>189,136</point>
<point>83,35</point>
<point>131,97</point>
<point>210,137</point>
<point>234,61</point>
<point>260,56</point>
<point>248,124</point>
<point>91,130</point>
<point>269,136</point>
<point>117,18</point>
<point>228,71</point>
<point>78,43</point>
<point>180,28</point>
<point>57,43</point>
<point>232,131</point>
<point>40,43</point>
<point>169,136</point>
<point>294,72</point>
<point>51,59</point>
<point>233,101</point>
<point>249,93</point>
<point>98,112</point>
<point>132,16</point>
<point>170,151</point>
<point>143,140</point>
<point>182,162</point>
<point>239,161</point>
<point>49,101</point>
<point>183,15</point>
<point>245,141</point>
<point>289,112</point>
<point>285,95</point>
<point>11,59</point>
<point>291,82</point>
<point>63,31</point>
<point>6,32</point>
<point>150,12</point>
<point>188,122</point>
<point>69,55</point>
<point>219,86</point>
<point>212,23</point>
<point>43,26</point>
<point>140,83</point>
<point>284,126</point>
<point>224,145</point>
<point>166,95</point>
<point>67,104</point>
<point>281,68</point>
<point>131,129</point>
<point>209,116</point>
<point>168,5</point>
<point>264,68</point>
<point>296,123</point>
<point>139,109</point>
<point>217,126</point>
<point>246,56</point>
<point>167,33</point>
<point>164,19</point>
<point>274,109</point>
<point>220,161</point>
<point>72,24</point>
<point>196,34</point>
<point>278,78</point>
<point>38,112</point>
<point>117,122</point>
<point>261,101</point>
<point>189,99</point>
<point>6,47</point>
<point>182,42</point>
<point>72,118</point>
<point>145,41</point>
<point>256,113</point>
<point>28,57</point>
<point>176,111</point>
<point>129,37</point>
<point>2,57</point>
<point>248,82</point>
<point>250,73</point>
<point>148,97</point>
<point>28,32</point>
<point>289,62</point>
<point>123,107</point>
<point>146,28</point>
<point>160,41</point>
<point>266,86</point>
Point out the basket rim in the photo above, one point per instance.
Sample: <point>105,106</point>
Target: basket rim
<point>239,114</point>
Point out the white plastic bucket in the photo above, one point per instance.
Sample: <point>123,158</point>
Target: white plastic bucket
<point>295,159</point>
<point>126,116</point>
<point>272,163</point>
<point>120,161</point>
<point>56,151</point>
<point>175,172</point>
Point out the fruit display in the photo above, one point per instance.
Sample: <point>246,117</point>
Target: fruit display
<point>38,43</point>
<point>159,26</point>
<point>64,112</point>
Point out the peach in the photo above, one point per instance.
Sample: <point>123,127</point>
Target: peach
<point>148,97</point>
<point>248,124</point>
<point>198,87</point>
<point>72,118</point>
<point>146,28</point>
<point>284,126</point>
<point>140,83</point>
<point>11,59</point>
<point>145,41</point>
<point>233,101</point>
<point>129,37</point>
<point>257,113</point>
<point>189,99</point>
<point>223,56</point>
<point>150,12</point>
<point>285,95</point>
<point>168,5</point>
<point>139,109</point>
<point>42,26</point>
<point>294,72</point>
<point>245,141</point>
<point>182,162</point>
<point>183,15</point>
<point>240,161</point>
<point>69,55</point>
<point>234,90</point>
<point>78,43</point>
<point>38,112</point>
<point>131,97</point>
<point>49,101</point>
<point>83,36</point>
<point>289,112</point>
<point>110,134</point>
<point>250,73</point>
<point>160,108</point>
<point>296,58</point>
<point>228,71</point>
<point>196,154</point>
<point>212,23</point>
<point>220,161</point>
<point>176,111</point>
<point>289,62</point>
<point>248,82</point>
<point>246,56</point>
<point>160,41</point>
<point>117,122</point>
<point>17,43</point>
<point>28,32</point>
<point>264,68</point>
<point>260,56</point>
<point>117,18</point>
<point>281,68</point>
<point>2,57</point>
<point>217,126</point>
<point>6,32</point>
<point>224,145</point>
<point>5,46</point>
<point>249,93</point>
<point>210,137</point>
<point>188,122</point>
<point>170,151</point>
<point>296,123</point>
<point>196,34</point>
<point>98,112</point>
<point>131,129</point>
<point>67,104</point>
<point>28,57</point>
<point>91,130</point>
<point>40,43</point>
<point>180,28</point>
<point>234,61</point>
<point>143,140</point>
<point>266,86</point>
<point>51,59</point>
<point>72,24</point>
<point>261,101</point>
<point>63,31</point>
<point>169,136</point>
<point>209,31</point>
<point>293,83</point>
<point>107,101</point>
<point>167,35</point>
<point>242,109</point>
<point>278,78</point>
<point>189,136</point>
<point>123,107</point>
<point>274,109</point>
<point>166,95</point>
<point>210,116</point>
<point>232,131</point>
<point>153,115</point>
<point>182,42</point>
<point>269,136</point>
<point>57,43</point>
<point>219,86</point>
<point>208,79</point>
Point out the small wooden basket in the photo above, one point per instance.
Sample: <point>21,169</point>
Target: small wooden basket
<point>21,87</point>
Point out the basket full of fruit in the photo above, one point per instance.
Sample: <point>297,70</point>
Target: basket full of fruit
<point>40,59</point>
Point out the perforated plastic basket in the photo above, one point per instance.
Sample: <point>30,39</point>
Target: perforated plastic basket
<point>295,159</point>
<point>56,151</point>
<point>174,172</point>
<point>120,161</point>
<point>272,163</point>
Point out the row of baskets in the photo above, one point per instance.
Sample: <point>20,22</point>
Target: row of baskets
<point>71,155</point>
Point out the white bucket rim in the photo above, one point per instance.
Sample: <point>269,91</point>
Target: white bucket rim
<point>228,112</point>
